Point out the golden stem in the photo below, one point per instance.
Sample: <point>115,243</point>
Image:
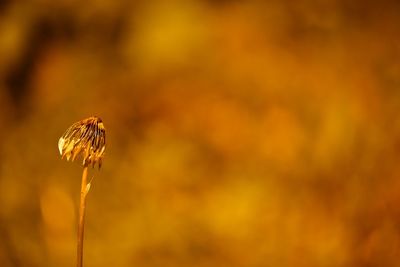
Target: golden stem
<point>81,225</point>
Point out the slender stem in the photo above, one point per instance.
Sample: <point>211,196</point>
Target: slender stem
<point>81,225</point>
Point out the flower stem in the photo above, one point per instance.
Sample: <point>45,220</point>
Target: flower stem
<point>81,225</point>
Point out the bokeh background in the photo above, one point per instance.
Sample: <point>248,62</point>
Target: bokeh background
<point>239,133</point>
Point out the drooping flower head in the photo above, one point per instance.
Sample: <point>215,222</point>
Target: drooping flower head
<point>86,138</point>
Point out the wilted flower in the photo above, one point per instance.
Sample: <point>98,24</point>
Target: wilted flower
<point>86,138</point>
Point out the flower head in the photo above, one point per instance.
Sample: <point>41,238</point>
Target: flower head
<point>86,138</point>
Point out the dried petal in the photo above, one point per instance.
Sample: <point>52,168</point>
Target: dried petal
<point>85,138</point>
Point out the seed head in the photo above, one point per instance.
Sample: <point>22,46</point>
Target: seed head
<point>86,138</point>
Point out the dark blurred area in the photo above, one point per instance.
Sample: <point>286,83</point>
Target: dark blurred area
<point>239,133</point>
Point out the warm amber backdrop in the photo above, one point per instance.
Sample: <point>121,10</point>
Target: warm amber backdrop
<point>239,133</point>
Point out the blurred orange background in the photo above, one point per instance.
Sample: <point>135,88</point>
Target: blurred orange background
<point>239,133</point>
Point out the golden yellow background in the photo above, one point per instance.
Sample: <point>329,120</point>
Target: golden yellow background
<point>239,133</point>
